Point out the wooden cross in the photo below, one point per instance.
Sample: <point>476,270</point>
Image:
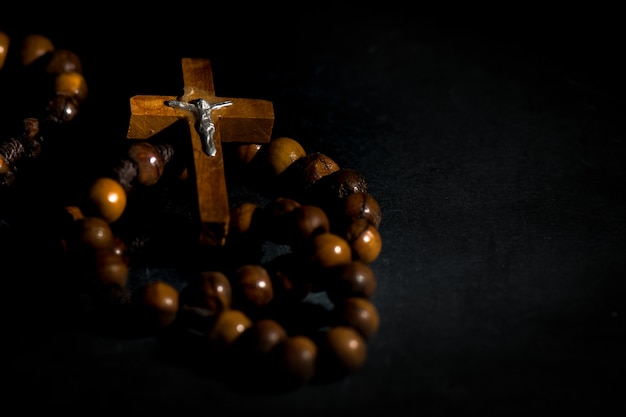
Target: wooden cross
<point>246,121</point>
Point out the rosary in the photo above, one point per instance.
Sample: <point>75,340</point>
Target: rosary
<point>302,316</point>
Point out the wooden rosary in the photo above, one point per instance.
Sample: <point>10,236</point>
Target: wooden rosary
<point>303,315</point>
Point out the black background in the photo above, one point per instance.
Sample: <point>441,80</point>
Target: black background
<point>491,138</point>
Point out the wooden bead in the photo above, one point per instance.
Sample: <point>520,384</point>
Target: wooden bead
<point>242,219</point>
<point>344,349</point>
<point>360,314</point>
<point>247,152</point>
<point>229,325</point>
<point>253,286</point>
<point>361,205</point>
<point>291,279</point>
<point>61,109</point>
<point>212,291</point>
<point>148,162</point>
<point>306,171</point>
<point>111,268</point>
<point>281,152</point>
<point>106,198</point>
<point>94,233</point>
<point>34,46</point>
<point>263,336</point>
<point>5,41</point>
<point>308,221</point>
<point>365,240</point>
<point>297,357</point>
<point>330,190</point>
<point>329,250</point>
<point>4,165</point>
<point>352,279</point>
<point>71,84</point>
<point>160,301</point>
<point>62,60</point>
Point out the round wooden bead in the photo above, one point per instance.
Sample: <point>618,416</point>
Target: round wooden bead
<point>254,286</point>
<point>247,152</point>
<point>361,205</point>
<point>242,218</point>
<point>331,189</point>
<point>62,60</point>
<point>329,250</point>
<point>106,198</point>
<point>111,268</point>
<point>297,357</point>
<point>290,278</point>
<point>364,239</point>
<point>4,165</point>
<point>360,314</point>
<point>94,233</point>
<point>61,108</point>
<point>282,152</point>
<point>308,221</point>
<point>34,46</point>
<point>306,171</point>
<point>264,335</point>
<point>5,41</point>
<point>352,279</point>
<point>160,301</point>
<point>212,291</point>
<point>344,349</point>
<point>229,325</point>
<point>148,161</point>
<point>71,84</point>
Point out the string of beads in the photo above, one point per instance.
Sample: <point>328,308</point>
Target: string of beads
<point>305,314</point>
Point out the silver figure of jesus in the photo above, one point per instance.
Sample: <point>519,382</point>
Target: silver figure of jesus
<point>205,127</point>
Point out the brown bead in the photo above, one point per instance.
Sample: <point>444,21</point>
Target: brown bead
<point>344,349</point>
<point>212,291</point>
<point>353,279</point>
<point>329,250</point>
<point>159,301</point>
<point>297,357</point>
<point>62,60</point>
<point>247,152</point>
<point>95,233</point>
<point>330,190</point>
<point>4,165</point>
<point>111,268</point>
<point>5,41</point>
<point>229,325</point>
<point>148,161</point>
<point>359,313</point>
<point>253,286</point>
<point>365,240</point>
<point>34,46</point>
<point>281,152</point>
<point>290,278</point>
<point>106,198</point>
<point>308,221</point>
<point>120,249</point>
<point>71,84</point>
<point>307,170</point>
<point>361,206</point>
<point>61,109</point>
<point>264,335</point>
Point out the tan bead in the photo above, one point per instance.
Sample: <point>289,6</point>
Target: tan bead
<point>5,41</point>
<point>212,291</point>
<point>254,286</point>
<point>242,218</point>
<point>229,325</point>
<point>353,279</point>
<point>264,335</point>
<point>308,221</point>
<point>160,301</point>
<point>365,240</point>
<point>247,152</point>
<point>111,267</point>
<point>106,198</point>
<point>71,84</point>
<point>4,165</point>
<point>148,161</point>
<point>344,349</point>
<point>329,250</point>
<point>34,46</point>
<point>63,60</point>
<point>297,357</point>
<point>359,313</point>
<point>282,152</point>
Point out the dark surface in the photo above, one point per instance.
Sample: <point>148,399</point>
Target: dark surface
<point>495,147</point>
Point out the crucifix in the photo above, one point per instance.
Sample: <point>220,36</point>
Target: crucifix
<point>212,120</point>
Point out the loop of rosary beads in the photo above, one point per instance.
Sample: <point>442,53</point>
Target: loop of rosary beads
<point>260,320</point>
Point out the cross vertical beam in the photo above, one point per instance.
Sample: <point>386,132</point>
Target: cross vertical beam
<point>245,121</point>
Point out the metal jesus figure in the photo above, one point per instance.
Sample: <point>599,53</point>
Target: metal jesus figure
<point>204,125</point>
